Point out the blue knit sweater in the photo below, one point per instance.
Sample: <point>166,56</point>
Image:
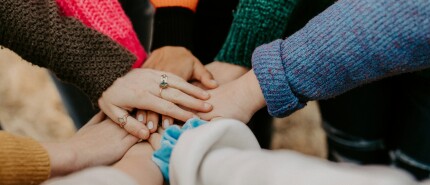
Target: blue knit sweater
<point>352,43</point>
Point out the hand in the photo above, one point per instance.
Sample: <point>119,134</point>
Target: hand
<point>140,89</point>
<point>239,99</point>
<point>181,62</point>
<point>97,143</point>
<point>225,72</point>
<point>138,164</point>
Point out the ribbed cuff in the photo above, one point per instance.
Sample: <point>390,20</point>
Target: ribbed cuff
<point>255,23</point>
<point>173,26</point>
<point>22,160</point>
<point>268,67</point>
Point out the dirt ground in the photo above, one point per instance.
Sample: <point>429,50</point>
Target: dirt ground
<point>30,105</point>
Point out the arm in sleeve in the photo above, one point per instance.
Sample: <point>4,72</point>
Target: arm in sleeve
<point>228,153</point>
<point>349,44</point>
<point>173,23</point>
<point>255,22</point>
<point>36,31</point>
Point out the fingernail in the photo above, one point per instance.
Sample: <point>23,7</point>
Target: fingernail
<point>150,125</point>
<point>207,106</point>
<point>166,123</point>
<point>140,117</point>
<point>205,93</point>
<point>214,82</point>
<point>143,134</point>
<point>195,116</point>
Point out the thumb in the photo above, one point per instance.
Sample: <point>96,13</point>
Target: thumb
<point>204,76</point>
<point>155,141</point>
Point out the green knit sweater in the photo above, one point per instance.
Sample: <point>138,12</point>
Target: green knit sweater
<point>255,22</point>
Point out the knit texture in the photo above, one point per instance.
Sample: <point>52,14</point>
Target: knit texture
<point>173,26</point>
<point>349,44</point>
<point>189,4</point>
<point>75,53</point>
<point>255,22</point>
<point>107,17</point>
<point>22,161</point>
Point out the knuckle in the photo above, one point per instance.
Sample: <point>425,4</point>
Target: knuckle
<point>177,96</point>
<point>170,108</point>
<point>133,130</point>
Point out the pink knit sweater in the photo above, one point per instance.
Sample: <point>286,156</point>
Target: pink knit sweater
<point>107,17</point>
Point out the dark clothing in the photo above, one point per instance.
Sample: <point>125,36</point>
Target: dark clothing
<point>392,115</point>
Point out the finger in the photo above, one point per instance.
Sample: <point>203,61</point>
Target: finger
<point>204,76</point>
<point>152,123</point>
<point>198,84</point>
<point>155,141</point>
<point>178,97</point>
<point>96,118</point>
<point>141,116</point>
<point>130,140</point>
<point>207,116</point>
<point>132,126</point>
<point>160,131</point>
<point>163,107</point>
<point>167,121</point>
<point>184,86</point>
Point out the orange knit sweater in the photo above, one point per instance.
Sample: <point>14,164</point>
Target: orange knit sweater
<point>22,160</point>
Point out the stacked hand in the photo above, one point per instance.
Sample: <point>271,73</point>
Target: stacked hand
<point>140,89</point>
<point>153,93</point>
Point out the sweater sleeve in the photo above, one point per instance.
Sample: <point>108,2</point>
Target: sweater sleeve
<point>173,23</point>
<point>227,153</point>
<point>349,44</point>
<point>107,17</point>
<point>22,160</point>
<point>255,22</point>
<point>39,34</point>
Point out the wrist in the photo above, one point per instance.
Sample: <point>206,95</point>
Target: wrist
<point>62,158</point>
<point>224,72</point>
<point>254,96</point>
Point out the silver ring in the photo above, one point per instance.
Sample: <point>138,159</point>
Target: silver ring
<point>163,83</point>
<point>123,120</point>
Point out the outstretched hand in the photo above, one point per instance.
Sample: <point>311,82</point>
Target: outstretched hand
<point>181,62</point>
<point>97,143</point>
<point>140,89</point>
<point>239,99</point>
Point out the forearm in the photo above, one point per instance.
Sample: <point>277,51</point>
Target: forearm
<point>349,44</point>
<point>138,165</point>
<point>146,173</point>
<point>254,100</point>
<point>62,158</point>
<point>255,22</point>
<point>76,54</point>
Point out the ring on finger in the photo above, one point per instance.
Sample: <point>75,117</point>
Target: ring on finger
<point>122,121</point>
<point>163,83</point>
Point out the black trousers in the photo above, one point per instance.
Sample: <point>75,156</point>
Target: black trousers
<point>386,122</point>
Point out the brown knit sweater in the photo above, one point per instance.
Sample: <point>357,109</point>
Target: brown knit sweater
<point>36,31</point>
<point>22,161</point>
<point>39,34</point>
